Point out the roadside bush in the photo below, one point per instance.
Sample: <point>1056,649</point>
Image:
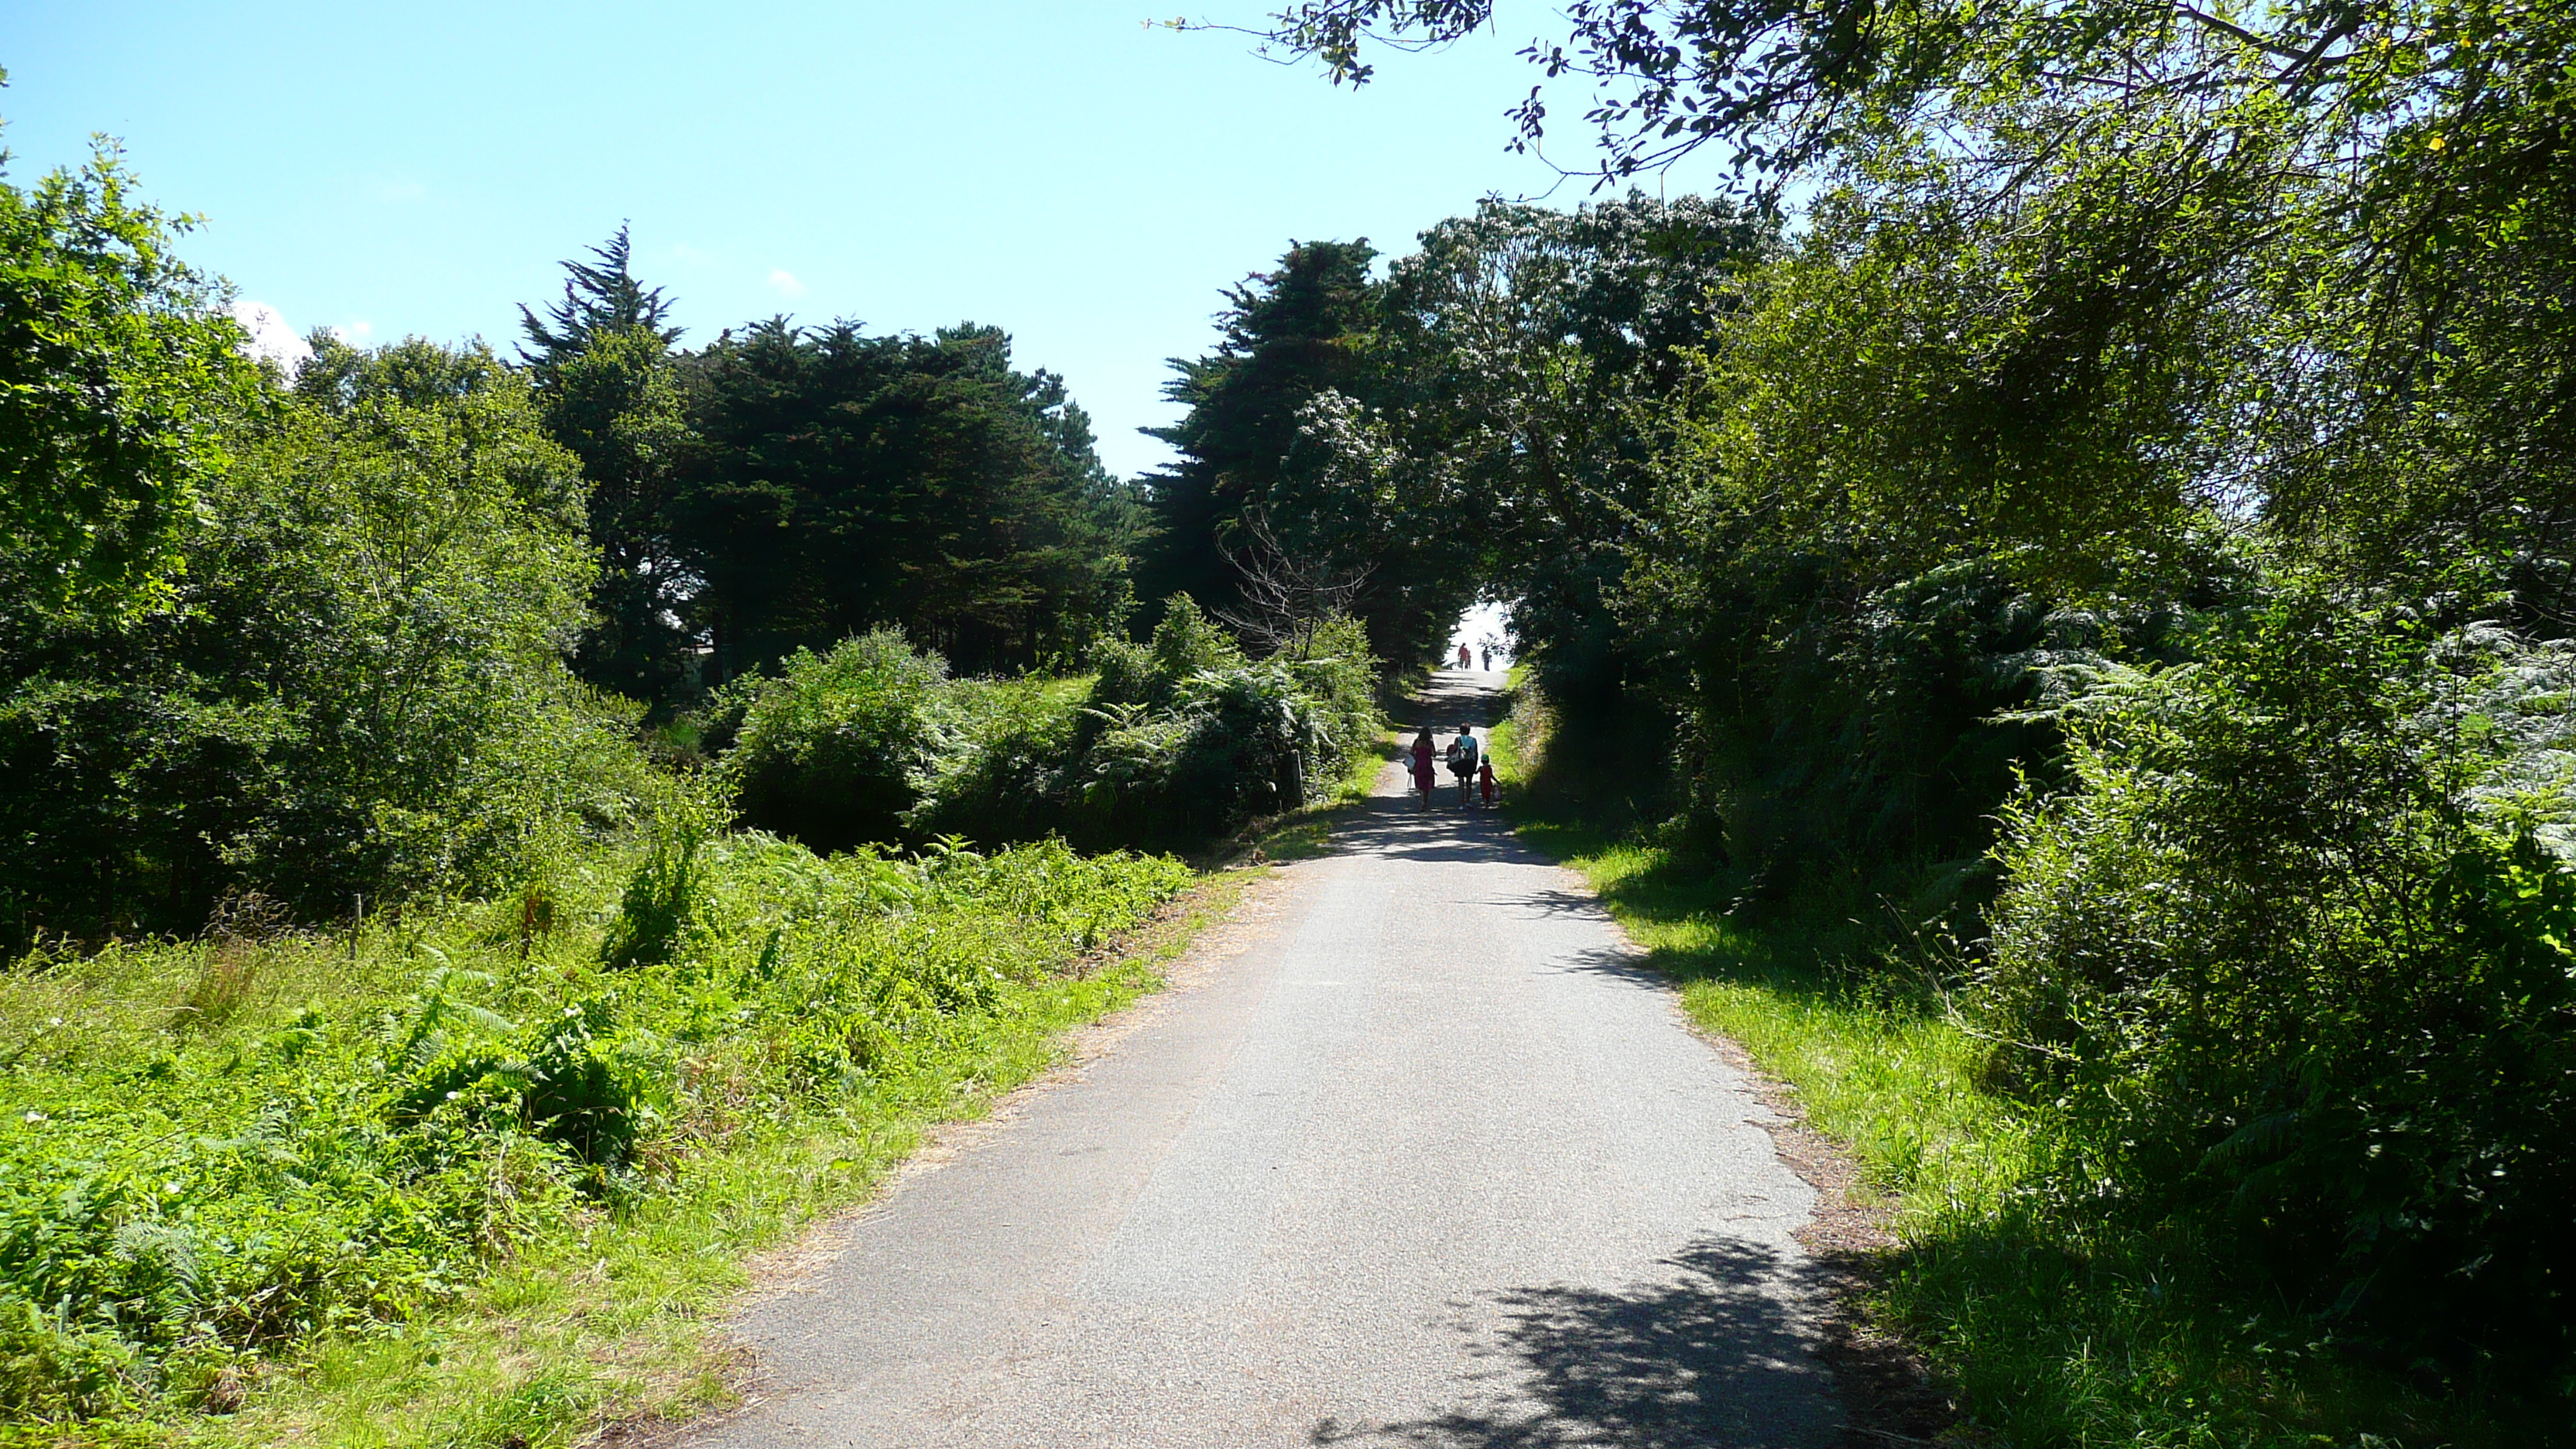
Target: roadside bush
<point>836,747</point>
<point>1000,773</point>
<point>1206,739</point>
<point>1336,670</point>
<point>1188,643</point>
<point>1851,738</point>
<point>355,687</point>
<point>1122,672</point>
<point>2295,973</point>
<point>1170,742</point>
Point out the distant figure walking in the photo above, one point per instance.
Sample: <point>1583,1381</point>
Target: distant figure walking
<point>1425,774</point>
<point>1486,657</point>
<point>1462,656</point>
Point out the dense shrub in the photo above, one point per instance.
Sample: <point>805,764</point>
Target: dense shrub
<point>1171,742</point>
<point>1841,732</point>
<point>1204,739</point>
<point>1000,772</point>
<point>2294,969</point>
<point>834,749</point>
<point>223,1148</point>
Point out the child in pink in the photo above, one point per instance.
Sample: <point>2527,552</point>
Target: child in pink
<point>1485,780</point>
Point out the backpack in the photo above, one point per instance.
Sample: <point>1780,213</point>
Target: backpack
<point>1462,752</point>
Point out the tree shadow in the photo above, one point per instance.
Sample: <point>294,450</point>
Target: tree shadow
<point>1619,962</point>
<point>1710,1355</point>
<point>1398,827</point>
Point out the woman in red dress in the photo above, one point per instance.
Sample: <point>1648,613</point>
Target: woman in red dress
<point>1423,776</point>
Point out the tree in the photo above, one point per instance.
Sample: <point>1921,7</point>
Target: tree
<point>846,481</point>
<point>356,685</point>
<point>118,374</point>
<point>1788,84</point>
<point>599,297</point>
<point>605,379</point>
<point>2385,185</point>
<point>1538,350</point>
<point>1287,337</point>
<point>1286,597</point>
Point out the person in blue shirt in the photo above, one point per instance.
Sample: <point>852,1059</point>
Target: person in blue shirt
<point>1462,759</point>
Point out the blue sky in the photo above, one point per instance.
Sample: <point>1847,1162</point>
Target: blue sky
<point>1056,169</point>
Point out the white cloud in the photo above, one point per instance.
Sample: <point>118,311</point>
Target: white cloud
<point>785,281</point>
<point>355,333</point>
<point>270,339</point>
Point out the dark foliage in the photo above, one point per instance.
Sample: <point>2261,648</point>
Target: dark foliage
<point>841,482</point>
<point>1286,337</point>
<point>2287,978</point>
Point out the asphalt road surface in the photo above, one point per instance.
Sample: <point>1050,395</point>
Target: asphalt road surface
<point>1431,1161</point>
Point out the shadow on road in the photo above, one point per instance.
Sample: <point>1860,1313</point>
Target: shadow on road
<point>1627,965</point>
<point>1707,1358</point>
<point>1399,827</point>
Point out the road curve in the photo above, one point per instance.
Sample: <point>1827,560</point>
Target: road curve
<point>1434,1161</point>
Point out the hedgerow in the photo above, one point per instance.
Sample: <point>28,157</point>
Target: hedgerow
<point>2289,968</point>
<point>1173,742</point>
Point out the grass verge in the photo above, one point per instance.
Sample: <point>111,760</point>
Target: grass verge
<point>593,1306</point>
<point>2048,1329</point>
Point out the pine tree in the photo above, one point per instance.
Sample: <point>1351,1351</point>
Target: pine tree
<point>596,299</point>
<point>602,362</point>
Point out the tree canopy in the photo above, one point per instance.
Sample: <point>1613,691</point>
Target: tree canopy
<point>838,482</point>
<point>117,377</point>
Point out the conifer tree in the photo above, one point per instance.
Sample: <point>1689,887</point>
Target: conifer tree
<point>605,297</point>
<point>602,362</point>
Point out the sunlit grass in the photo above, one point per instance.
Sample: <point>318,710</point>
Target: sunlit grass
<point>614,1310</point>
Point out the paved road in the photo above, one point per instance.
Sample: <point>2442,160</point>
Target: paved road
<point>1431,1162</point>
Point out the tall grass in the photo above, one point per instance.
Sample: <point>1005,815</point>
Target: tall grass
<point>2053,1329</point>
<point>477,1175</point>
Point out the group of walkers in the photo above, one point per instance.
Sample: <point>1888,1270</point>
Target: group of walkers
<point>1467,761</point>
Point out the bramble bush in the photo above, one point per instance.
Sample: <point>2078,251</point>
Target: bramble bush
<point>212,1151</point>
<point>2291,965</point>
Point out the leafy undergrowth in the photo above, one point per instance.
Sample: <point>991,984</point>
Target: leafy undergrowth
<point>2052,1329</point>
<point>487,1175</point>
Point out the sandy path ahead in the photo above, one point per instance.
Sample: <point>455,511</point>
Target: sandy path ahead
<point>1433,1161</point>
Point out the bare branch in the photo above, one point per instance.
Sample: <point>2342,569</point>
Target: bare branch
<point>1285,596</point>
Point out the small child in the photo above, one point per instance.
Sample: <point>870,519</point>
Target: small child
<point>1485,779</point>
